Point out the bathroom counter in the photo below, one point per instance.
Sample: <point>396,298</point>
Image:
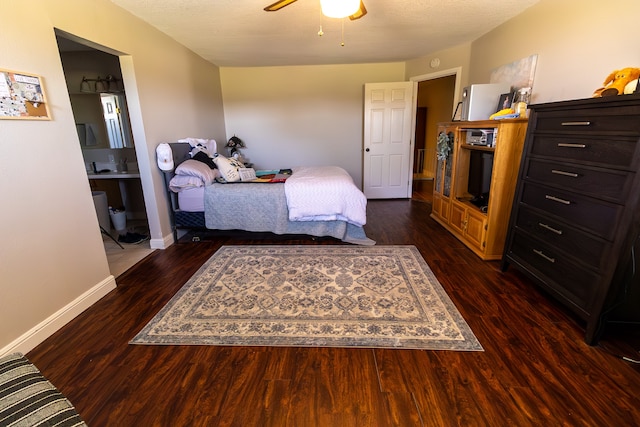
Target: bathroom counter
<point>113,175</point>
<point>124,180</point>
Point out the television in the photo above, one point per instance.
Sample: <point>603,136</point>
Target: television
<point>480,166</point>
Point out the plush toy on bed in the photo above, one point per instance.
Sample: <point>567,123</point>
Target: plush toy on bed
<point>619,82</point>
<point>229,168</point>
<point>207,146</point>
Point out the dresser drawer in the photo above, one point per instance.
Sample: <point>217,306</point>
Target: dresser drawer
<point>589,249</point>
<point>601,183</point>
<point>607,119</point>
<point>619,152</point>
<point>575,284</point>
<point>597,216</point>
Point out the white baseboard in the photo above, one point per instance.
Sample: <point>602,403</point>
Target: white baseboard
<point>163,243</point>
<point>27,341</point>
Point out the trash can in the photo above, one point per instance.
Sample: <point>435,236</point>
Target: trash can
<point>102,208</point>
<point>119,220</point>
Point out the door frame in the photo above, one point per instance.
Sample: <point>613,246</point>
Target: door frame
<point>145,162</point>
<point>457,72</point>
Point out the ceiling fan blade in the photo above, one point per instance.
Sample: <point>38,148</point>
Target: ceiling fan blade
<point>278,5</point>
<point>360,13</point>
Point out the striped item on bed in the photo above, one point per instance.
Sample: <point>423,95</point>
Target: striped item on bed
<point>27,398</point>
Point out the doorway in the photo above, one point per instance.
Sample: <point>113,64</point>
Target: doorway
<point>435,99</point>
<point>98,101</point>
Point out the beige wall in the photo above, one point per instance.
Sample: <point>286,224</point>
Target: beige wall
<point>304,115</point>
<point>449,59</point>
<point>52,261</point>
<point>578,44</point>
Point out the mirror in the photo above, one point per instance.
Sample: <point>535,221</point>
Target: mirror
<point>102,120</point>
<point>116,119</point>
<point>99,104</point>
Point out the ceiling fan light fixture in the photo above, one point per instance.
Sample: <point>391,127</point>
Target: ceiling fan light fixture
<point>339,8</point>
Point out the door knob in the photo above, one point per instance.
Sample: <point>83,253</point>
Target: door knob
<point>366,149</point>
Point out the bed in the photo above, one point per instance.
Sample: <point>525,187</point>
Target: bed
<point>337,208</point>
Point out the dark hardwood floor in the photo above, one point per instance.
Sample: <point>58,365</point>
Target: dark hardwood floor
<point>535,370</point>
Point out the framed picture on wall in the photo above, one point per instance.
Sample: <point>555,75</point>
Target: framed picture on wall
<point>22,96</point>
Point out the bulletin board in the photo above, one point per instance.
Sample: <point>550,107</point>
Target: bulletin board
<point>22,96</point>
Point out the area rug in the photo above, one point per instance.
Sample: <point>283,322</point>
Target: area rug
<point>27,398</point>
<point>304,296</point>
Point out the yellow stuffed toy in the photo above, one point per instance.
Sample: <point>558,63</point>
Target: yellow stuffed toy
<point>616,82</point>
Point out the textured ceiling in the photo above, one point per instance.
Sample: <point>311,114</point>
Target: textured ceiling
<point>240,33</point>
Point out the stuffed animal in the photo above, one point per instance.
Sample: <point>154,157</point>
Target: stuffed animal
<point>207,146</point>
<point>616,82</point>
<point>631,87</point>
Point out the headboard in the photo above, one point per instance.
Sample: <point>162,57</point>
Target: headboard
<point>180,152</point>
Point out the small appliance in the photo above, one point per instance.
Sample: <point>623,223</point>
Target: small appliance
<point>481,100</point>
<point>480,137</point>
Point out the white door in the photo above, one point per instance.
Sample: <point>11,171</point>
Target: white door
<point>387,140</point>
<point>113,120</point>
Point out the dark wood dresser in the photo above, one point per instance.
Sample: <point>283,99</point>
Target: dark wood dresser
<point>575,221</point>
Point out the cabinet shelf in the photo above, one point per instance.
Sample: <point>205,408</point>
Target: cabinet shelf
<point>467,202</point>
<point>484,148</point>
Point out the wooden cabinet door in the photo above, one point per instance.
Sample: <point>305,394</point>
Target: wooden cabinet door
<point>443,179</point>
<point>469,223</point>
<point>436,208</point>
<point>457,220</point>
<point>445,208</point>
<point>444,166</point>
<point>441,207</point>
<point>475,228</point>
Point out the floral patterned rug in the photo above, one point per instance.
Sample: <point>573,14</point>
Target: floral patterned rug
<point>302,296</point>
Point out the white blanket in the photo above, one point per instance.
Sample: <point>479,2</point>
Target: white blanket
<point>324,194</point>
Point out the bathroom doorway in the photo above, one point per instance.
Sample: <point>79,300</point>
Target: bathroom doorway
<point>98,100</point>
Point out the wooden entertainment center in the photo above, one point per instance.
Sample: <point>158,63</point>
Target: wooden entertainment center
<point>481,228</point>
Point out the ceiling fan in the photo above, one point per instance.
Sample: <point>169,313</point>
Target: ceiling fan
<point>326,8</point>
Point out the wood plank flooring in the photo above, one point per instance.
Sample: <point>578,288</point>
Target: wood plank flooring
<point>536,369</point>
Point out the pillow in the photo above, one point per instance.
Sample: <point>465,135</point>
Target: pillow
<point>201,156</point>
<point>181,182</point>
<point>196,169</point>
<point>228,168</point>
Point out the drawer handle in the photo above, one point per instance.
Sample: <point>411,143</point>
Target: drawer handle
<point>548,258</point>
<point>559,172</point>
<point>567,145</point>
<point>576,123</point>
<point>548,227</point>
<point>557,199</point>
